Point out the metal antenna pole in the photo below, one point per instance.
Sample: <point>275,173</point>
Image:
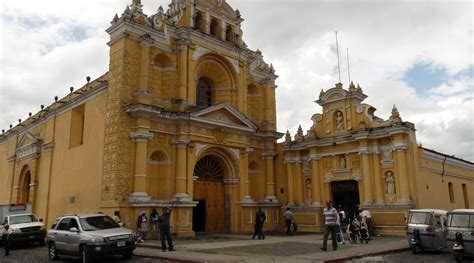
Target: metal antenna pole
<point>338,66</point>
<point>348,68</point>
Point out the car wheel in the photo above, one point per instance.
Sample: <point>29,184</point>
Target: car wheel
<point>86,254</point>
<point>52,252</point>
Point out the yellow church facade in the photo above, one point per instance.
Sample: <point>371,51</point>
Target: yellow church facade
<point>185,117</point>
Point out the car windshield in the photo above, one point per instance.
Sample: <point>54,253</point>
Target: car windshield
<point>420,218</point>
<point>98,223</point>
<point>22,219</point>
<point>461,220</point>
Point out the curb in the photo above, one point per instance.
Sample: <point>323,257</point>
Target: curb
<point>171,259</point>
<point>390,251</point>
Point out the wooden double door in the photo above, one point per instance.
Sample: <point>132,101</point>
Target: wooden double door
<point>209,214</point>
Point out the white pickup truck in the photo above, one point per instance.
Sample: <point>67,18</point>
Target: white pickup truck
<point>24,225</point>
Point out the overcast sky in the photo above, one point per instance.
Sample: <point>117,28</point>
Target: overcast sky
<point>415,54</point>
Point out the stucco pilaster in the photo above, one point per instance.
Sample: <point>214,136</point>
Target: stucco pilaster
<point>181,167</point>
<point>316,182</point>
<point>140,177</point>
<point>402,176</point>
<point>269,177</point>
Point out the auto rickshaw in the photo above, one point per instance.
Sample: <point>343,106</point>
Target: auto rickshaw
<point>425,229</point>
<point>460,233</point>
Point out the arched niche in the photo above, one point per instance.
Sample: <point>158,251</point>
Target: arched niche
<point>159,175</point>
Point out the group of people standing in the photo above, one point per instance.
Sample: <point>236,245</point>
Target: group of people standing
<point>358,224</point>
<point>158,222</point>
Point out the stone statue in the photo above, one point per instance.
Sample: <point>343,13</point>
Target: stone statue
<point>342,162</point>
<point>287,138</point>
<point>390,180</point>
<point>308,187</point>
<point>339,121</point>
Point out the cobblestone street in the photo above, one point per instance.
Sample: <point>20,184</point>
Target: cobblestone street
<point>37,254</point>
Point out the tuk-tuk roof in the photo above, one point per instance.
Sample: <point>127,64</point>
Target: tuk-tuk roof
<point>434,211</point>
<point>470,211</point>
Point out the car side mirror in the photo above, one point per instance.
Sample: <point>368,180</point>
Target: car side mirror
<point>74,229</point>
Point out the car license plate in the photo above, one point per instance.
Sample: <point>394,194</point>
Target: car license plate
<point>121,244</point>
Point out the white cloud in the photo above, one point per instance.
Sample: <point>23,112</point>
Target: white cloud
<point>41,57</point>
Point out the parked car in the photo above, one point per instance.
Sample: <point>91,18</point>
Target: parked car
<point>24,225</point>
<point>89,236</point>
<point>460,233</point>
<point>426,229</point>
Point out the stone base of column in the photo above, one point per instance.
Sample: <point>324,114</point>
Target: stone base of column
<point>271,199</point>
<point>181,197</point>
<point>369,202</point>
<point>378,202</point>
<point>405,202</point>
<point>316,204</point>
<point>139,197</point>
<point>247,200</point>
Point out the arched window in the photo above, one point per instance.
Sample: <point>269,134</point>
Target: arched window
<point>199,21</point>
<point>451,192</point>
<point>229,34</point>
<point>204,93</point>
<point>214,29</point>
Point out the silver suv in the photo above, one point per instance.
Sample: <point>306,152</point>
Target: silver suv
<point>89,236</point>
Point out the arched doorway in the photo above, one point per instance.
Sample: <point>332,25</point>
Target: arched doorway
<point>211,215</point>
<point>25,181</point>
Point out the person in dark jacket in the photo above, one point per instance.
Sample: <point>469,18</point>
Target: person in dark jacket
<point>165,232</point>
<point>6,238</point>
<point>154,223</point>
<point>260,218</point>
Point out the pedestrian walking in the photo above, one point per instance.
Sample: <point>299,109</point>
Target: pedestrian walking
<point>165,229</point>
<point>260,218</point>
<point>288,216</point>
<point>154,223</point>
<point>341,216</point>
<point>6,238</point>
<point>330,217</point>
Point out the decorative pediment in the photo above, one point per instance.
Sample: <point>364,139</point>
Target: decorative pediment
<point>338,93</point>
<point>29,145</point>
<point>224,114</point>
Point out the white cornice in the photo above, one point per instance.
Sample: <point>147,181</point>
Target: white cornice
<point>449,161</point>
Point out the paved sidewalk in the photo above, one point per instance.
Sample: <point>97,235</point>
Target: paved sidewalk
<point>241,248</point>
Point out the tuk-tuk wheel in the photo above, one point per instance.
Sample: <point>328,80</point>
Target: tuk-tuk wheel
<point>415,249</point>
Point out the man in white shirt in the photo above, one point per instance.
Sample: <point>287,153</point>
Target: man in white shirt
<point>367,216</point>
<point>330,218</point>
